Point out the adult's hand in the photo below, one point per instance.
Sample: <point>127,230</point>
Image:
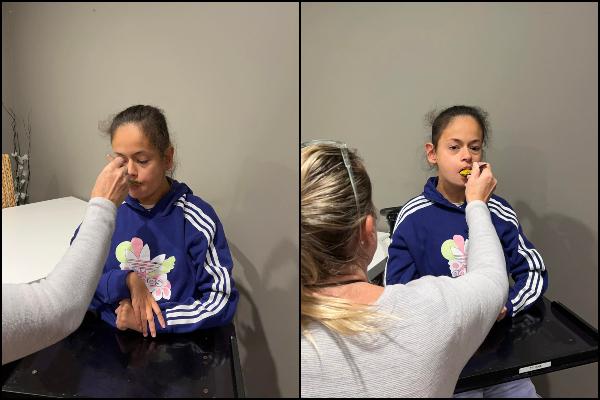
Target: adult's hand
<point>481,183</point>
<point>112,182</point>
<point>143,304</point>
<point>502,314</point>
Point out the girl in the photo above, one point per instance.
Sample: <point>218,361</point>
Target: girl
<point>168,258</point>
<point>430,236</point>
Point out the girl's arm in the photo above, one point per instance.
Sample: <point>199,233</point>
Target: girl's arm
<point>400,266</point>
<point>524,262</point>
<point>216,296</point>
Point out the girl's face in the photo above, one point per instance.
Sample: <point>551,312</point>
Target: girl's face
<point>459,145</point>
<point>145,165</point>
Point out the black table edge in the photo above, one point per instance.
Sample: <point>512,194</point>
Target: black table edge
<point>237,369</point>
<point>10,394</point>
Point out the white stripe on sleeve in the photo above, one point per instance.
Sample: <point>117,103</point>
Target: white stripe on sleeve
<point>221,286</point>
<point>531,291</point>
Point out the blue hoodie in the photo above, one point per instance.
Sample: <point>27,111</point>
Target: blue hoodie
<point>179,249</point>
<point>430,237</point>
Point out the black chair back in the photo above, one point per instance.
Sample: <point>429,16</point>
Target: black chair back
<point>390,214</point>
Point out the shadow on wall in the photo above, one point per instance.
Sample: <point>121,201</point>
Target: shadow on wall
<point>568,249</point>
<point>260,211</point>
<point>567,246</point>
<point>57,187</point>
<point>251,335</point>
<point>52,189</point>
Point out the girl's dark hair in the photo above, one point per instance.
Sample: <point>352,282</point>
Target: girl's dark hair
<point>151,121</point>
<point>440,121</point>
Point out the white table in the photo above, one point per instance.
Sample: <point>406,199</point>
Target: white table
<point>35,237</point>
<point>379,260</point>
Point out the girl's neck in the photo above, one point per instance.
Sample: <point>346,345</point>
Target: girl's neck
<point>155,198</point>
<point>452,193</point>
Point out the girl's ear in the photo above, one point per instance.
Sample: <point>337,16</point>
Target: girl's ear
<point>430,151</point>
<point>169,157</point>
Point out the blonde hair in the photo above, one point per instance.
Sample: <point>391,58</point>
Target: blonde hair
<point>330,235</point>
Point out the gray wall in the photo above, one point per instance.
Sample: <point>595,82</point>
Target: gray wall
<point>227,78</point>
<point>370,72</point>
<point>6,81</point>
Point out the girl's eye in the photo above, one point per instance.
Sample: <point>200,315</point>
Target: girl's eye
<point>475,148</point>
<point>143,162</point>
<point>453,147</point>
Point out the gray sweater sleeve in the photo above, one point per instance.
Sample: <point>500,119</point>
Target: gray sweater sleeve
<point>479,295</point>
<point>487,276</point>
<point>38,314</point>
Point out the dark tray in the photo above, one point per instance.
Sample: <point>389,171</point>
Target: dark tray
<point>98,360</point>
<point>548,337</point>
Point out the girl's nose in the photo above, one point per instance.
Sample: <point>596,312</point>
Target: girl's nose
<point>131,170</point>
<point>465,154</point>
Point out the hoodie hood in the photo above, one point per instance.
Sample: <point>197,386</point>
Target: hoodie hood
<point>166,204</point>
<point>432,194</point>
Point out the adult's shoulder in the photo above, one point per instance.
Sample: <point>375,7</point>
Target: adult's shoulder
<point>426,298</point>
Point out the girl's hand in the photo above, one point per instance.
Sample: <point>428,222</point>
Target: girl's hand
<point>143,304</point>
<point>126,317</point>
<point>481,183</point>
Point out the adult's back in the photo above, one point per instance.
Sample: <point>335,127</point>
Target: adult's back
<point>433,327</point>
